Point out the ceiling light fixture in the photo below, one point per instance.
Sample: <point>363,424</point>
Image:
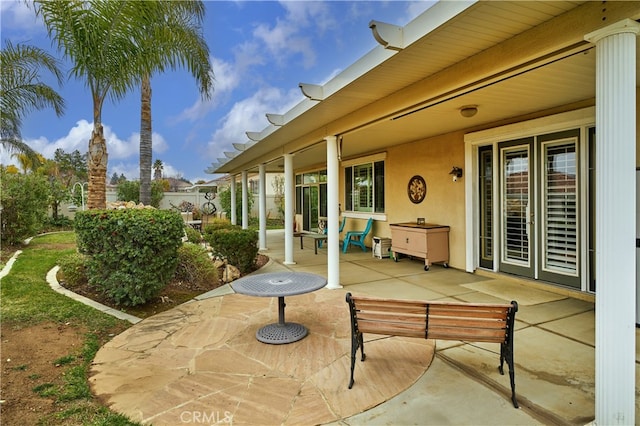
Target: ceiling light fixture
<point>469,111</point>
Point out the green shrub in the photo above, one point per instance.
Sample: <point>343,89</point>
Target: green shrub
<point>224,197</point>
<point>193,235</point>
<point>132,252</point>
<point>217,224</point>
<point>23,198</point>
<point>73,270</point>
<point>195,266</point>
<point>129,190</point>
<point>238,246</point>
<point>59,223</point>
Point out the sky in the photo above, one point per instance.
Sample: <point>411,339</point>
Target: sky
<point>259,50</point>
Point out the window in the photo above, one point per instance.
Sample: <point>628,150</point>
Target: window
<point>311,198</point>
<point>254,186</point>
<point>364,187</point>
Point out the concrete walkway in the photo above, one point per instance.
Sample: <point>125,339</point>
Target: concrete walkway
<point>554,356</point>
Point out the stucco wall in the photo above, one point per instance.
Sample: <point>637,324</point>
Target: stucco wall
<point>432,159</point>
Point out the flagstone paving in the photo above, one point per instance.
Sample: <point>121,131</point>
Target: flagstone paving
<point>202,359</point>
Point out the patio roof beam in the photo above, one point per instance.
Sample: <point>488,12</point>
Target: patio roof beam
<point>275,119</point>
<point>312,91</point>
<point>254,136</point>
<point>387,35</point>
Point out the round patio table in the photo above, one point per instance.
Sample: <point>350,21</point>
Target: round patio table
<point>279,284</point>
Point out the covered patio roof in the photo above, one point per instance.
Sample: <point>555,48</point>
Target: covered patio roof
<point>513,60</point>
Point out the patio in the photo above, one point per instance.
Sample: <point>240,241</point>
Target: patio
<point>202,360</point>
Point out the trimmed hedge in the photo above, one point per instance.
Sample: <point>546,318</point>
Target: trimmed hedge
<point>73,269</point>
<point>195,267</point>
<point>238,246</point>
<point>217,224</point>
<point>132,252</point>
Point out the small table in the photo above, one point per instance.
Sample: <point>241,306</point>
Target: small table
<point>279,284</point>
<point>317,239</point>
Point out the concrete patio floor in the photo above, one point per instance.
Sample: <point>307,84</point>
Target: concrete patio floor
<point>201,361</point>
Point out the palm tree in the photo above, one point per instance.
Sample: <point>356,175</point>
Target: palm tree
<point>104,40</point>
<point>28,162</point>
<point>157,169</point>
<point>175,41</point>
<point>21,91</point>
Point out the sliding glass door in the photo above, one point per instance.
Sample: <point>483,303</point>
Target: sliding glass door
<point>517,242</point>
<point>539,216</point>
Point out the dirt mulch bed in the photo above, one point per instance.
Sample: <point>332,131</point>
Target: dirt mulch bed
<point>33,362</point>
<point>29,354</point>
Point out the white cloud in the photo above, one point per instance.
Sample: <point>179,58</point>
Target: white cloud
<point>17,16</point>
<point>78,138</point>
<point>249,115</point>
<point>227,78</point>
<point>285,38</point>
<point>79,135</point>
<point>248,54</point>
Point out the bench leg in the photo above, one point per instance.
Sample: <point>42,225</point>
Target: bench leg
<point>506,354</point>
<point>356,341</point>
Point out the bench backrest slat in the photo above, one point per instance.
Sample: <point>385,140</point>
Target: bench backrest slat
<point>482,322</point>
<point>392,329</point>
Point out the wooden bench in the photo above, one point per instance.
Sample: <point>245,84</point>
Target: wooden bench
<point>469,322</point>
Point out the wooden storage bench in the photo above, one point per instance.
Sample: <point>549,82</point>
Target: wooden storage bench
<point>426,240</point>
<point>469,322</point>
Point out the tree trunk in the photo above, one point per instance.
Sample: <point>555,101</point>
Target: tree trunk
<point>146,143</point>
<point>97,190</point>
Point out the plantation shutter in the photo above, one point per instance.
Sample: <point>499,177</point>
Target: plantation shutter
<point>560,230</point>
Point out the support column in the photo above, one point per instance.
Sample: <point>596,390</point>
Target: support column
<point>262,201</point>
<point>245,200</point>
<point>234,210</point>
<point>615,222</point>
<point>333,214</point>
<point>289,208</point>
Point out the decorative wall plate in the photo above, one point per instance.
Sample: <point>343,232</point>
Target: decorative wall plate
<point>417,189</point>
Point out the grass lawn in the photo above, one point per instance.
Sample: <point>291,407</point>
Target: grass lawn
<point>48,344</point>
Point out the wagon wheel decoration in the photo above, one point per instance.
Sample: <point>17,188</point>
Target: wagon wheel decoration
<point>417,189</point>
<point>209,207</point>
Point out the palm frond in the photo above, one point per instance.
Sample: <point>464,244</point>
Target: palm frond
<point>21,90</point>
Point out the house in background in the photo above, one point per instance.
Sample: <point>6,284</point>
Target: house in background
<point>513,95</point>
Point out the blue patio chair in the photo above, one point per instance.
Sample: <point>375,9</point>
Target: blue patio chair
<point>357,237</point>
<point>344,221</point>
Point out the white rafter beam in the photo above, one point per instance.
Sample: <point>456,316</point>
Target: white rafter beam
<point>388,35</point>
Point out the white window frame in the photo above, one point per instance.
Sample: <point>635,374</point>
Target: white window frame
<point>370,159</point>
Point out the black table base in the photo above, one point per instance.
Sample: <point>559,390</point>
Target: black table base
<point>282,332</point>
<point>277,334</point>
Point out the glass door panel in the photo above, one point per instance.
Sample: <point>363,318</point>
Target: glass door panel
<point>485,180</point>
<point>559,212</point>
<point>313,208</point>
<point>310,208</point>
<point>306,211</point>
<point>517,213</point>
